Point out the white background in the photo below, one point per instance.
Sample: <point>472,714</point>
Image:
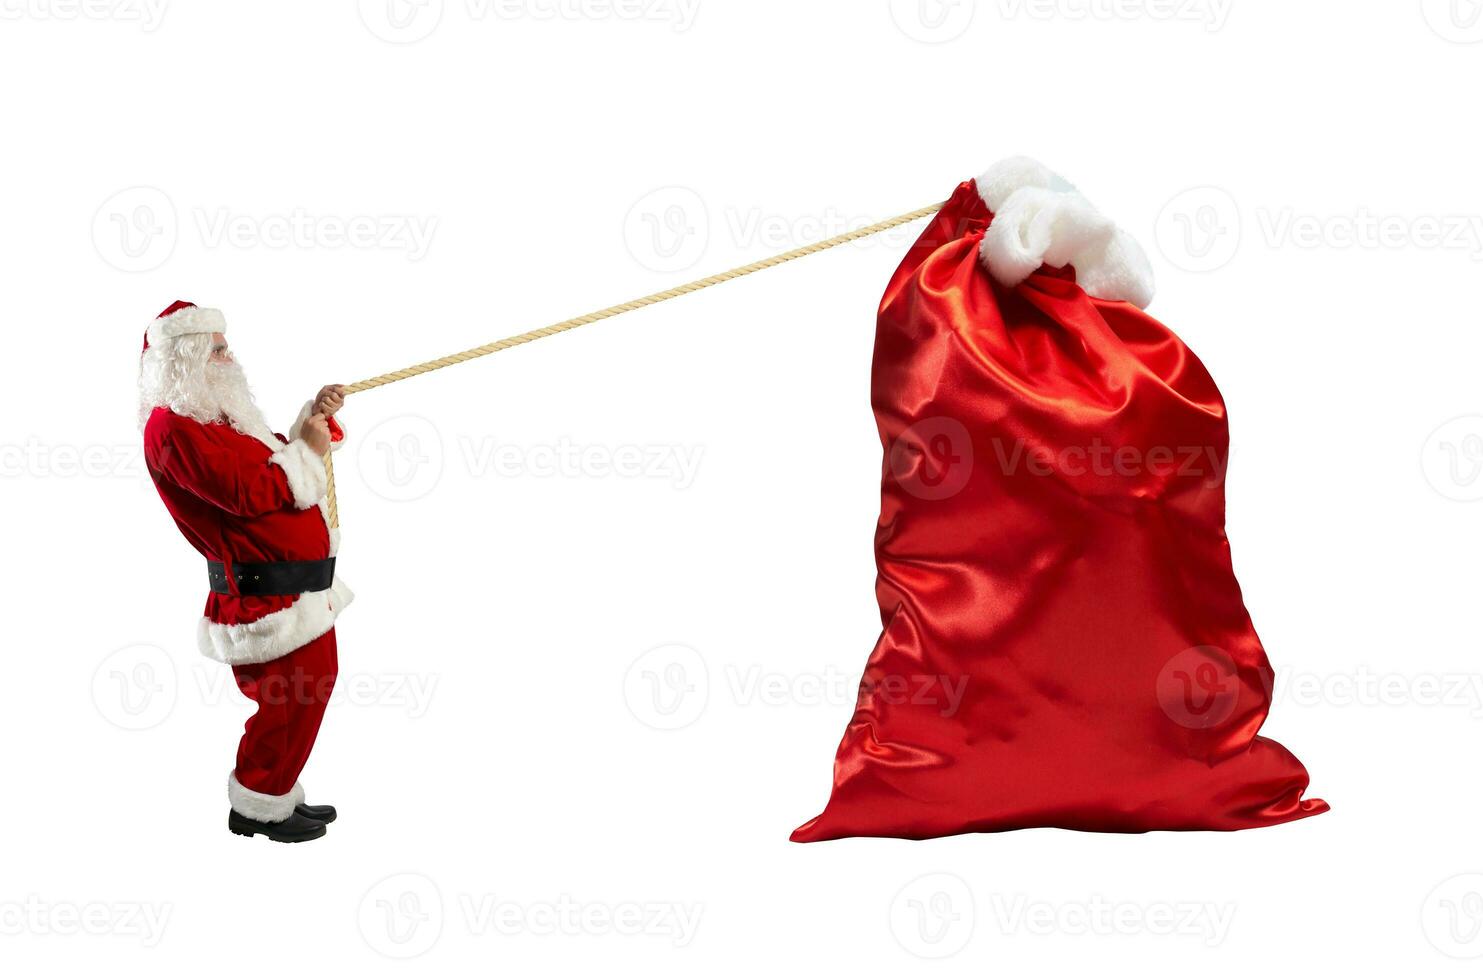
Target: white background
<point>1304,177</point>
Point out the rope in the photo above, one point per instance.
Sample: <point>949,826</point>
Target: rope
<point>612,311</point>
<point>331,505</point>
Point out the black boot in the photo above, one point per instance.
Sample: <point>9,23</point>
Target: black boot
<point>291,831</point>
<point>324,814</point>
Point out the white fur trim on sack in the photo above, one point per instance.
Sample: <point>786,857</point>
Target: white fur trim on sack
<point>1040,219</point>
<point>305,470</point>
<point>260,806</point>
<point>276,634</point>
<point>186,320</point>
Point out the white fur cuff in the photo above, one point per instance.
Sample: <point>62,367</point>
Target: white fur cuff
<point>304,413</point>
<point>260,806</point>
<point>1040,219</point>
<point>305,470</point>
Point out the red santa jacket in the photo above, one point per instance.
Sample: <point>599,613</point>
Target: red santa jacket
<point>247,498</point>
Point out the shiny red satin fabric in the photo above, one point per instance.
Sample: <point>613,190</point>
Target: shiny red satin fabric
<point>1064,642</point>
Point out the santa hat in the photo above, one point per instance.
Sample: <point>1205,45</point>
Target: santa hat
<point>180,319</point>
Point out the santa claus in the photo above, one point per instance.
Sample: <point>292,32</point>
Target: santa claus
<point>252,503</point>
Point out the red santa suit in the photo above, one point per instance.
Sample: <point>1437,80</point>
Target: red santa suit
<point>254,497</point>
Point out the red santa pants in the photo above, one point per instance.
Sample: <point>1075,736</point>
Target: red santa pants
<point>291,694</point>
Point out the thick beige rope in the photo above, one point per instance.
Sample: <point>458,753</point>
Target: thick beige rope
<point>612,311</point>
<point>331,505</point>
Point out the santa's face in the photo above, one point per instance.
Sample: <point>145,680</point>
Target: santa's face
<point>220,354</point>
<point>197,376</point>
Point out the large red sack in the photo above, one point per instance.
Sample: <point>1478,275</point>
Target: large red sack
<point>1064,642</point>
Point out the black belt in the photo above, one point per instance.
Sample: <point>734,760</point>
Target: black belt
<point>271,577</point>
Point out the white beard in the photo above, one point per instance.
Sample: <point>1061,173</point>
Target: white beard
<point>180,375</point>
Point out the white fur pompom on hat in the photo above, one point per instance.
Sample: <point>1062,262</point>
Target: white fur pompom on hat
<point>1041,219</point>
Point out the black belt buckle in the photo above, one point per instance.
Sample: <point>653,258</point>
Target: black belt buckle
<point>268,578</point>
